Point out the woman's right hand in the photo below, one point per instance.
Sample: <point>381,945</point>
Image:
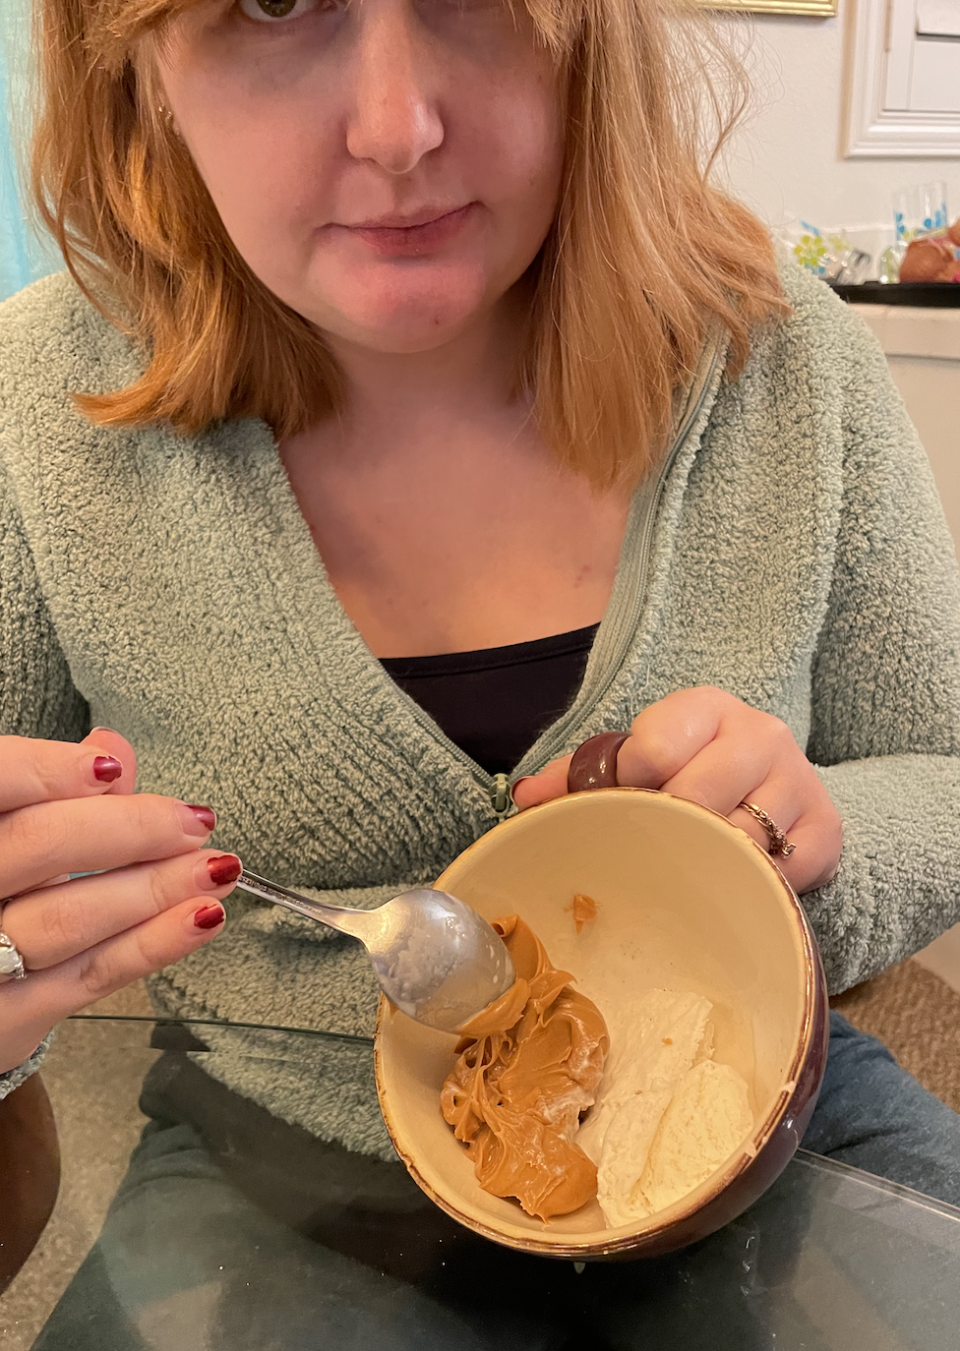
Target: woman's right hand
<point>65,809</point>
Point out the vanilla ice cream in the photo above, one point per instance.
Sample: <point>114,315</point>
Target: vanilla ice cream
<point>667,1115</point>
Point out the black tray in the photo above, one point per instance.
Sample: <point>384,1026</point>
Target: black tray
<point>928,294</point>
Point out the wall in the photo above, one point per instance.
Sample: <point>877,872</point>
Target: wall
<point>23,257</point>
<point>786,163</point>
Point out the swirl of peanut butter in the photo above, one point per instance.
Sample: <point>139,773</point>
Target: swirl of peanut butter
<point>528,1065</point>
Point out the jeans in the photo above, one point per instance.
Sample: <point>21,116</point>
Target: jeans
<point>189,1261</point>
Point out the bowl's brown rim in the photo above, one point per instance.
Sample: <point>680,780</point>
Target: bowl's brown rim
<point>667,1219</point>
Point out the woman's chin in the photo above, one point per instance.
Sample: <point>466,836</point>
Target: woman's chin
<point>404,331</point>
<point>405,311</point>
<point>408,340</point>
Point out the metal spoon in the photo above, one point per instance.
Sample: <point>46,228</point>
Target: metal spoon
<point>433,956</point>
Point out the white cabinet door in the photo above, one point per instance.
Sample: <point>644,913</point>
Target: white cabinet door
<point>902,80</point>
<point>923,56</point>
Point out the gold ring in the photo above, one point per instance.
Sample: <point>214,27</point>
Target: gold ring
<point>780,846</point>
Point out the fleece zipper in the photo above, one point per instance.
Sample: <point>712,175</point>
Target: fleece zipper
<point>619,624</point>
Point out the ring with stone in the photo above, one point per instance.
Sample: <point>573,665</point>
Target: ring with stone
<point>780,846</point>
<point>11,963</point>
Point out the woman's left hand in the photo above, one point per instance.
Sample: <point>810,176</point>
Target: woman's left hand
<point>706,745</point>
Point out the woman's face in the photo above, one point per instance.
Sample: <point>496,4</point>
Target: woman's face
<point>311,119</point>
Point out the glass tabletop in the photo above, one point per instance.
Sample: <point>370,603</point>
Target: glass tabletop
<point>233,1232</point>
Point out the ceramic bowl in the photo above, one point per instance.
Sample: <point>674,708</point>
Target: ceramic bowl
<point>686,901</point>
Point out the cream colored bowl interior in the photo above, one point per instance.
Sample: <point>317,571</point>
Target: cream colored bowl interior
<point>686,902</point>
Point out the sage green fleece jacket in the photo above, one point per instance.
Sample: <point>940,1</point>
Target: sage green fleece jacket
<point>792,550</point>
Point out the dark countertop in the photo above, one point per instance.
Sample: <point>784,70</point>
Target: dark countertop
<point>923,294</point>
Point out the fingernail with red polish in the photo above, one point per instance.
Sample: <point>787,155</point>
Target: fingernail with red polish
<point>223,869</point>
<point>209,917</point>
<point>204,815</point>
<point>106,768</point>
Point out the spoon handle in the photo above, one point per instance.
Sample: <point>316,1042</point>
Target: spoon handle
<point>344,920</point>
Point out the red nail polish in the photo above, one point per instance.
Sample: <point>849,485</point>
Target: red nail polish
<point>209,917</point>
<point>223,869</point>
<point>107,768</point>
<point>203,814</point>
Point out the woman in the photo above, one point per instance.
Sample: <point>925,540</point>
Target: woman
<point>411,349</point>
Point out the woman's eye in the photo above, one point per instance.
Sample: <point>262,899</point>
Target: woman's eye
<point>268,11</point>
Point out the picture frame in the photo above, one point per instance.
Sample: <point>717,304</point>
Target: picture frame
<point>811,9</point>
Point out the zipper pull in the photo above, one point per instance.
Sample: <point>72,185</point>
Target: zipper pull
<point>500,796</point>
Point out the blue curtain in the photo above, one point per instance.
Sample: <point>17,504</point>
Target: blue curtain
<point>23,256</point>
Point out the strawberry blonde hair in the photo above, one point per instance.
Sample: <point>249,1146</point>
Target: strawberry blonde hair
<point>645,255</point>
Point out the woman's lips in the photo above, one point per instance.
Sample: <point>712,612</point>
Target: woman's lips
<point>394,241</point>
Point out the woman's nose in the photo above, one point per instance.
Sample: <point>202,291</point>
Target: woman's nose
<point>394,120</point>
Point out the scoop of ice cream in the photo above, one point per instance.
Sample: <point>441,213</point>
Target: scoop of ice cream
<point>664,1142</point>
<point>708,1117</point>
<point>627,1147</point>
<point>654,1039</point>
<point>667,1116</point>
<point>527,1066</point>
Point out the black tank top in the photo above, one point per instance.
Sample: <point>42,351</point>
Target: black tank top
<point>495,702</point>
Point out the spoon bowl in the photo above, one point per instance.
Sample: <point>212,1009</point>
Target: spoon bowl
<point>433,956</point>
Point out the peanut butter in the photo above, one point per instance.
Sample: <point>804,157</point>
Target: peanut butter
<point>528,1066</point>
<point>584,910</point>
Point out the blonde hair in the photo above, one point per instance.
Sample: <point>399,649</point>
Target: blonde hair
<point>644,257</point>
